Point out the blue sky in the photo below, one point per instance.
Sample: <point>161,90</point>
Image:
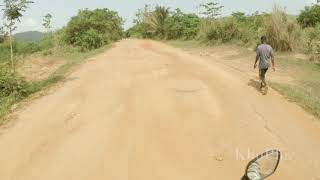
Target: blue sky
<point>62,10</point>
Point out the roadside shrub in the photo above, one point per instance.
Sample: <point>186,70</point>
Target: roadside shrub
<point>12,85</point>
<point>283,33</point>
<point>155,20</point>
<point>4,53</point>
<point>182,26</point>
<point>221,30</point>
<point>48,41</point>
<point>210,31</point>
<point>1,38</point>
<point>230,30</point>
<point>92,29</point>
<point>139,30</point>
<point>91,39</point>
<point>242,28</point>
<point>312,42</point>
<point>310,16</point>
<point>150,22</point>
<point>20,49</point>
<point>251,27</point>
<point>27,48</point>
<point>159,23</point>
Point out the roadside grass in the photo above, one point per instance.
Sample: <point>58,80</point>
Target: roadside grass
<point>303,96</point>
<point>305,91</point>
<point>72,58</point>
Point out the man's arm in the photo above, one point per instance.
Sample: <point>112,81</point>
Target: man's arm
<point>257,59</point>
<point>273,63</point>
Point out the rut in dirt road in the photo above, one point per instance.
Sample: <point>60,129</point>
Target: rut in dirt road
<point>146,111</point>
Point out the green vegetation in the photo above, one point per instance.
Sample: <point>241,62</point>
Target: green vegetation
<point>93,29</point>
<point>211,10</point>
<point>284,32</point>
<point>29,36</point>
<point>12,84</point>
<point>182,26</point>
<point>297,78</point>
<point>15,88</point>
<point>161,23</point>
<point>310,16</point>
<point>24,48</point>
<point>87,34</point>
<point>312,42</point>
<point>300,95</point>
<point>306,89</point>
<point>157,21</point>
<point>12,12</point>
<point>47,22</point>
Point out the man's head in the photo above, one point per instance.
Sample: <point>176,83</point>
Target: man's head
<point>264,39</point>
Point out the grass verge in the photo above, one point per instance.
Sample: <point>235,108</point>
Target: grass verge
<point>72,57</point>
<point>305,89</point>
<point>300,95</point>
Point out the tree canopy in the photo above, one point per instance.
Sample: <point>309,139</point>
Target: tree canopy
<point>310,16</point>
<point>92,29</point>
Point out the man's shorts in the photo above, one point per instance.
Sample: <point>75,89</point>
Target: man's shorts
<point>263,74</point>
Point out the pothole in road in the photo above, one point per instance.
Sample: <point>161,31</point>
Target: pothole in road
<point>187,85</point>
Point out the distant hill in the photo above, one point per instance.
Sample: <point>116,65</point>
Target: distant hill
<point>29,36</point>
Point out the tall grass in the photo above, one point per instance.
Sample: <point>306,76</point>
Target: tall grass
<point>219,31</point>
<point>312,42</point>
<point>283,32</point>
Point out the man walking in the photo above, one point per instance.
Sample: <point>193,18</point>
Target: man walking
<point>264,54</point>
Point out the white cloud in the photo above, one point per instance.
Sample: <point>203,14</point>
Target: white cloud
<point>29,24</point>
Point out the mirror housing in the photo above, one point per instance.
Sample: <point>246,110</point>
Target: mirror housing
<point>263,166</point>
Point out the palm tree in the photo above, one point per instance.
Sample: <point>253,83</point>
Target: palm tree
<point>156,20</point>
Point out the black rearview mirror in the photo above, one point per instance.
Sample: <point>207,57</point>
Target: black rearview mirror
<point>263,166</point>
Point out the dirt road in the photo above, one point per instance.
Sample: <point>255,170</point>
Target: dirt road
<point>146,111</point>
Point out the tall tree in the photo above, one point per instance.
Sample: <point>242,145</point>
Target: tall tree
<point>310,16</point>
<point>211,10</point>
<point>12,12</point>
<point>47,22</point>
<point>91,29</point>
<point>141,28</point>
<point>142,14</point>
<point>157,20</point>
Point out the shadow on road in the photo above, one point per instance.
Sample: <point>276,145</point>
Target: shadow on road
<point>254,83</point>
